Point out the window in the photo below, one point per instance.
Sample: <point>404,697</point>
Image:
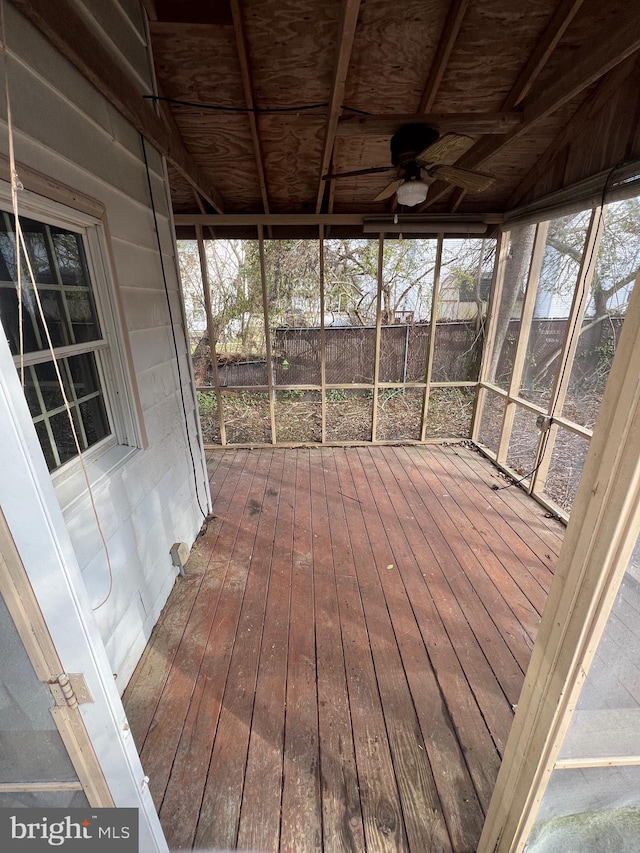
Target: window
<point>60,257</point>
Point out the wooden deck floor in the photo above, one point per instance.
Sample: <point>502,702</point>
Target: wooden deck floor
<point>338,669</point>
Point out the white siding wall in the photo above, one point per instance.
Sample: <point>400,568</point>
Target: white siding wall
<point>66,130</point>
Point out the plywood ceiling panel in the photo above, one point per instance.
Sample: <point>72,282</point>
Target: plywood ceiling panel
<point>292,48</point>
<point>494,43</point>
<point>393,50</point>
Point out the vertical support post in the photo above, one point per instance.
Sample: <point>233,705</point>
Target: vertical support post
<point>323,342</point>
<point>502,250</point>
<point>376,363</point>
<point>204,272</point>
<point>528,307</point>
<point>569,347</point>
<point>428,366</point>
<point>406,355</point>
<point>267,334</point>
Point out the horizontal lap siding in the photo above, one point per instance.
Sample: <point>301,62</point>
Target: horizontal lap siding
<point>65,129</point>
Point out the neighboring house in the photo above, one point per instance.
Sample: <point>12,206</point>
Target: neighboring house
<point>90,227</point>
<point>458,301</point>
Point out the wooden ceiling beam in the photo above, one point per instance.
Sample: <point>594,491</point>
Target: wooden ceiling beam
<point>576,75</point>
<point>545,45</point>
<point>247,85</point>
<point>475,124</point>
<point>618,43</point>
<point>166,112</point>
<point>225,219</point>
<point>601,97</point>
<point>457,199</point>
<point>60,23</point>
<point>348,24</point>
<point>450,31</point>
<point>150,9</point>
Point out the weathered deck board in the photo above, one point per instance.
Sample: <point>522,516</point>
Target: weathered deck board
<point>420,803</point>
<point>301,824</point>
<point>260,814</point>
<point>337,669</point>
<point>182,803</point>
<point>341,810</point>
<point>221,803</point>
<point>536,527</point>
<point>148,681</point>
<point>457,661</point>
<point>458,798</point>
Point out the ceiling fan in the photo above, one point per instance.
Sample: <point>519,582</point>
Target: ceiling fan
<point>418,155</point>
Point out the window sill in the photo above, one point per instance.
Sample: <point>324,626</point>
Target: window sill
<point>71,488</point>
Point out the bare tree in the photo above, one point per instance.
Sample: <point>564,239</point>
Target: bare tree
<point>515,274</point>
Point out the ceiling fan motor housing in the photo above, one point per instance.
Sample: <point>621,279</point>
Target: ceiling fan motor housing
<point>409,141</point>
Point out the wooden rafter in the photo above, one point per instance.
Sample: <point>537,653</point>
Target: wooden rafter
<point>150,9</point>
<point>61,24</point>
<point>601,97</point>
<point>165,111</point>
<point>545,46</point>
<point>617,44</point>
<point>471,123</point>
<point>450,31</point>
<point>348,23</point>
<point>247,85</point>
<point>457,199</point>
<point>198,201</point>
<point>573,78</point>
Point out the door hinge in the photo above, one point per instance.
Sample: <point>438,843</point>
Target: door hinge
<point>70,689</point>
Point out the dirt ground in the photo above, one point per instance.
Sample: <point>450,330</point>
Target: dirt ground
<point>569,450</point>
<point>349,414</point>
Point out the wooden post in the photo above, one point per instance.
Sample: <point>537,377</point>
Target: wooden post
<point>204,271</point>
<point>267,334</point>
<point>323,342</point>
<point>569,347</point>
<point>376,363</point>
<point>502,249</point>
<point>428,367</point>
<point>405,362</point>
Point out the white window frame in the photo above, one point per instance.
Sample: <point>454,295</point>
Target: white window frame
<point>126,436</point>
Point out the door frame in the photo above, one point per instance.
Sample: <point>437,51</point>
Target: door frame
<point>37,531</point>
<point>600,537</point>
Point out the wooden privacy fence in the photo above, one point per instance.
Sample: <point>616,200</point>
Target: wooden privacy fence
<point>594,351</point>
<point>350,352</point>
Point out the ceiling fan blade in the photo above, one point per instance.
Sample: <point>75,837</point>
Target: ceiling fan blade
<point>389,190</point>
<point>448,147</point>
<point>472,181</point>
<point>373,171</point>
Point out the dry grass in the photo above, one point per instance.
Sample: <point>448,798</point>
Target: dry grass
<point>348,412</point>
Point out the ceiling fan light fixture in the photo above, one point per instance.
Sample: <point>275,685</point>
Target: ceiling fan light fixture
<point>412,192</point>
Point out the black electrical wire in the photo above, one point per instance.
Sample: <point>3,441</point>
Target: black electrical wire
<point>571,338</point>
<point>259,110</point>
<point>173,332</point>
